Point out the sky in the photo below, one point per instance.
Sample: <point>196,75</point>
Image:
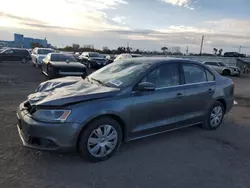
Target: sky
<point>143,24</point>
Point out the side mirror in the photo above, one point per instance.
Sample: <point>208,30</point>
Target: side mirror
<point>145,86</point>
<point>84,75</point>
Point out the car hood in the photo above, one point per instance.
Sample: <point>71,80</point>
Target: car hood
<point>67,90</point>
<point>233,67</point>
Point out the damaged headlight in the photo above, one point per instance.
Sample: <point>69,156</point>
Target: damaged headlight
<point>51,115</point>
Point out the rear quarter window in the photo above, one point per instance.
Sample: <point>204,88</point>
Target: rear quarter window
<point>210,76</point>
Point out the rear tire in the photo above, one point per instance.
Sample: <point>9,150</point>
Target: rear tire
<point>90,144</point>
<point>214,116</point>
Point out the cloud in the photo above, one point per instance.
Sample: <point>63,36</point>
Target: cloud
<point>19,18</point>
<point>69,14</point>
<point>216,34</point>
<point>180,3</point>
<point>119,19</point>
<point>98,4</point>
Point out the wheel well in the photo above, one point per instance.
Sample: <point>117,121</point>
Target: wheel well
<point>223,102</point>
<point>115,117</point>
<point>226,70</point>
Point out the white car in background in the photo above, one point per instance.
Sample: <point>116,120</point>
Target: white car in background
<point>223,68</point>
<point>126,56</point>
<point>38,54</point>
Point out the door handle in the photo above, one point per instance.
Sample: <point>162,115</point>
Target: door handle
<point>179,95</point>
<point>210,90</point>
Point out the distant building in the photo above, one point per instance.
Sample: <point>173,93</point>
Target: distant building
<point>24,42</point>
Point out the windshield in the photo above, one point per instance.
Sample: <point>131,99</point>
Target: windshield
<point>44,51</point>
<point>94,55</point>
<point>222,64</point>
<point>62,57</point>
<point>121,74</point>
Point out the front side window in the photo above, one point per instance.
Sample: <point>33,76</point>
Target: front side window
<point>211,63</point>
<point>164,76</point>
<point>194,74</point>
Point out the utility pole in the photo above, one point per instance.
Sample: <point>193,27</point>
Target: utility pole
<point>240,49</point>
<point>187,50</point>
<point>202,39</point>
<point>128,49</point>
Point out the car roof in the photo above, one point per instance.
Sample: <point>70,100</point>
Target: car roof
<point>158,60</point>
<point>44,49</point>
<point>60,53</point>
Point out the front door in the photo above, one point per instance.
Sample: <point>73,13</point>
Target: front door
<point>159,110</point>
<point>8,55</point>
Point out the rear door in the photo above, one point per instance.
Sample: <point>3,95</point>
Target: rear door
<point>199,86</point>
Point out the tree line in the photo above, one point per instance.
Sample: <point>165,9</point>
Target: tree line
<point>121,49</point>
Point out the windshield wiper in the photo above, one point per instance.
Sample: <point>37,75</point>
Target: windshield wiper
<point>99,81</point>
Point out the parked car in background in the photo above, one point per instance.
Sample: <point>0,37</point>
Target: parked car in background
<point>38,54</point>
<point>76,55</point>
<point>110,58</point>
<point>60,64</point>
<point>234,54</point>
<point>126,56</point>
<point>93,60</point>
<point>123,101</point>
<point>223,68</point>
<point>15,54</point>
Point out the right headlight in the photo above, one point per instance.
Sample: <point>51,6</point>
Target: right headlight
<point>51,115</point>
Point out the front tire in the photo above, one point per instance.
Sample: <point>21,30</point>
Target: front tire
<point>51,72</point>
<point>214,117</point>
<point>89,65</point>
<point>100,140</point>
<point>23,60</point>
<point>226,72</point>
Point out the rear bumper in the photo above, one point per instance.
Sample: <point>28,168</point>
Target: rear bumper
<point>235,73</point>
<point>230,104</point>
<point>46,136</point>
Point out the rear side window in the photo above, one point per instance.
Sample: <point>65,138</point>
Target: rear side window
<point>194,74</point>
<point>210,76</point>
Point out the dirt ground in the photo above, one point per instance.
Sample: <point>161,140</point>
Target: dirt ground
<point>187,158</point>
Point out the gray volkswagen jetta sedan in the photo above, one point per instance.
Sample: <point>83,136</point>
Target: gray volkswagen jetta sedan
<point>127,100</point>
